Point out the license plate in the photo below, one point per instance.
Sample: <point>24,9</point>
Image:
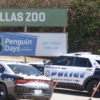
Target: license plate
<point>38,91</point>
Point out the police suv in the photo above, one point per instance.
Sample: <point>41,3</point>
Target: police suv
<point>80,71</point>
<point>18,80</point>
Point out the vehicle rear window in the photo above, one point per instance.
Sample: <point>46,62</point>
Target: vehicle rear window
<point>98,61</point>
<point>24,69</point>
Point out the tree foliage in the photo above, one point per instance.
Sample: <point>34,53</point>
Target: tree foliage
<point>84,23</point>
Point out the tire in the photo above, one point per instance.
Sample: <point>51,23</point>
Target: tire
<point>91,87</point>
<point>3,90</point>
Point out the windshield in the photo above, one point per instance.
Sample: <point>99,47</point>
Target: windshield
<point>24,69</point>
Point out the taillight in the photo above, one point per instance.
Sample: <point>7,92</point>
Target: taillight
<point>21,81</point>
<point>24,81</point>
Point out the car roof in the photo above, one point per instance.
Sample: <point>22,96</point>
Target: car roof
<point>35,63</point>
<point>10,60</point>
<point>84,55</point>
<point>17,63</point>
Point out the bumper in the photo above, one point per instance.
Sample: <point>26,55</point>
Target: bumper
<point>33,96</point>
<point>28,93</point>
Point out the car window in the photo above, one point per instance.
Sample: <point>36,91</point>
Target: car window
<point>70,61</point>
<point>61,61</point>
<point>67,61</point>
<point>89,63</point>
<point>2,69</point>
<point>98,61</point>
<point>54,59</point>
<point>82,62</point>
<point>23,69</point>
<point>33,65</point>
<point>38,67</point>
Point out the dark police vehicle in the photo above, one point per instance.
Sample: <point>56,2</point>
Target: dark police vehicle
<point>38,65</point>
<point>18,80</point>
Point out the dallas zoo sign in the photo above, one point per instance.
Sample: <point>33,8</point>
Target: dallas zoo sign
<point>33,17</point>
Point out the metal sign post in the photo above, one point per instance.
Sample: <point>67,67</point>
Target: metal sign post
<point>64,30</point>
<point>25,58</point>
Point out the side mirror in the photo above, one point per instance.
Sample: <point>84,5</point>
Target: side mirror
<point>45,62</point>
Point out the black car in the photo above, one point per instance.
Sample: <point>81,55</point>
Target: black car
<point>38,65</point>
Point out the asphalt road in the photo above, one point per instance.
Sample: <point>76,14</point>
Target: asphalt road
<point>66,94</point>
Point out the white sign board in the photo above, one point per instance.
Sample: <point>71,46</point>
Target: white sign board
<point>33,44</point>
<point>50,44</point>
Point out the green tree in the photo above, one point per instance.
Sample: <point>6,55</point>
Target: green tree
<point>83,25</point>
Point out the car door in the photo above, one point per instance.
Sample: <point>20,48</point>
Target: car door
<point>79,71</point>
<point>58,68</point>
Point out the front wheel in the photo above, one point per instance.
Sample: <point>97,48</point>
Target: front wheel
<point>3,92</point>
<point>92,86</point>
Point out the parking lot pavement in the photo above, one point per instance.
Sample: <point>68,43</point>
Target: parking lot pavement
<point>66,94</point>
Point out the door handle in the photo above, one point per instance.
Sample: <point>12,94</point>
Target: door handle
<point>89,69</point>
<point>63,68</point>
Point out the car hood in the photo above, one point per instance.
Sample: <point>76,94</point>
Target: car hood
<point>34,77</point>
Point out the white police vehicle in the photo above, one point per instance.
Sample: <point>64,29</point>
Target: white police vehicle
<point>18,80</point>
<point>80,71</point>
